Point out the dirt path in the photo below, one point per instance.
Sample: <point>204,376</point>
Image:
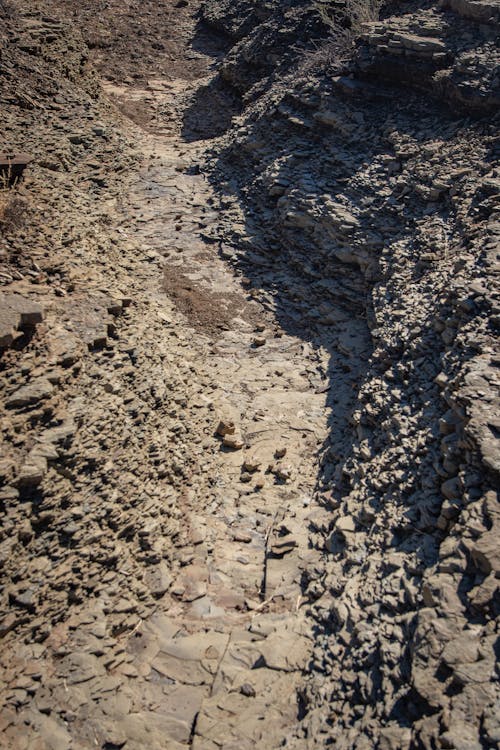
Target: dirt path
<point>218,660</point>
<point>223,652</point>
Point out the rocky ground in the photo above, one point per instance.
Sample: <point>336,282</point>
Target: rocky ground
<point>249,420</point>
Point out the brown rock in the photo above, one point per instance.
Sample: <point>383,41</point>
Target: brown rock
<point>283,545</point>
<point>30,394</point>
<point>225,427</point>
<point>233,441</point>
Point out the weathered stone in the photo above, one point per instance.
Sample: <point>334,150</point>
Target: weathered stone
<point>32,471</point>
<point>17,312</point>
<point>158,579</point>
<point>282,545</point>
<point>35,391</point>
<point>485,552</point>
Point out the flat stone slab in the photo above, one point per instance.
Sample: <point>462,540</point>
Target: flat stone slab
<point>192,659</point>
<point>37,390</point>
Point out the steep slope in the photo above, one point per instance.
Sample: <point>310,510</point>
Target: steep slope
<point>367,208</point>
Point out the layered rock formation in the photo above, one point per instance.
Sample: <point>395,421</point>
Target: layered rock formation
<point>249,417</point>
<point>377,184</point>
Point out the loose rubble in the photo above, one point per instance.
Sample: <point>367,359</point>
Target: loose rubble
<point>372,193</point>
<point>249,421</point>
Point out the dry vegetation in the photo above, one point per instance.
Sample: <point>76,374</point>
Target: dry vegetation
<point>13,207</point>
<point>336,51</point>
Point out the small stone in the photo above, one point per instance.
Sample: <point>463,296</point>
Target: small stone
<point>26,599</point>
<point>81,667</point>
<point>345,525</point>
<point>233,441</point>
<point>247,690</point>
<point>197,532</point>
<point>251,465</point>
<point>242,536</point>
<point>283,545</point>
<point>25,533</point>
<point>259,341</point>
<point>33,471</point>
<point>225,427</point>
<point>451,489</point>
<point>8,623</point>
<point>158,579</point>
<point>70,529</point>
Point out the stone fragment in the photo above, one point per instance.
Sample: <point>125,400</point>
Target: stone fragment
<point>25,533</point>
<point>451,488</point>
<point>283,472</point>
<point>60,434</point>
<point>158,579</point>
<point>233,441</point>
<point>420,43</point>
<point>81,667</point>
<point>32,393</point>
<point>226,427</point>
<point>251,464</point>
<point>31,312</point>
<point>248,690</point>
<point>9,321</point>
<point>26,599</point>
<point>345,525</point>
<point>32,471</point>
<point>485,552</point>
<point>17,312</point>
<point>283,545</point>
<point>8,623</point>
<point>242,536</point>
<point>197,531</point>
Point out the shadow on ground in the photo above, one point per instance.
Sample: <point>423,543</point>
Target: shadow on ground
<point>210,113</point>
<point>294,260</point>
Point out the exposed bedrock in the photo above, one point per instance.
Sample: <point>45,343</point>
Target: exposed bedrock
<point>366,203</point>
<point>249,417</point>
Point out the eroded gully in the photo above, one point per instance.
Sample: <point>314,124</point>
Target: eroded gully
<point>221,661</point>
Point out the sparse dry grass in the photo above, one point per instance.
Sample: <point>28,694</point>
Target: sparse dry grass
<point>336,51</point>
<point>13,208</point>
<point>357,11</point>
<point>332,55</point>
